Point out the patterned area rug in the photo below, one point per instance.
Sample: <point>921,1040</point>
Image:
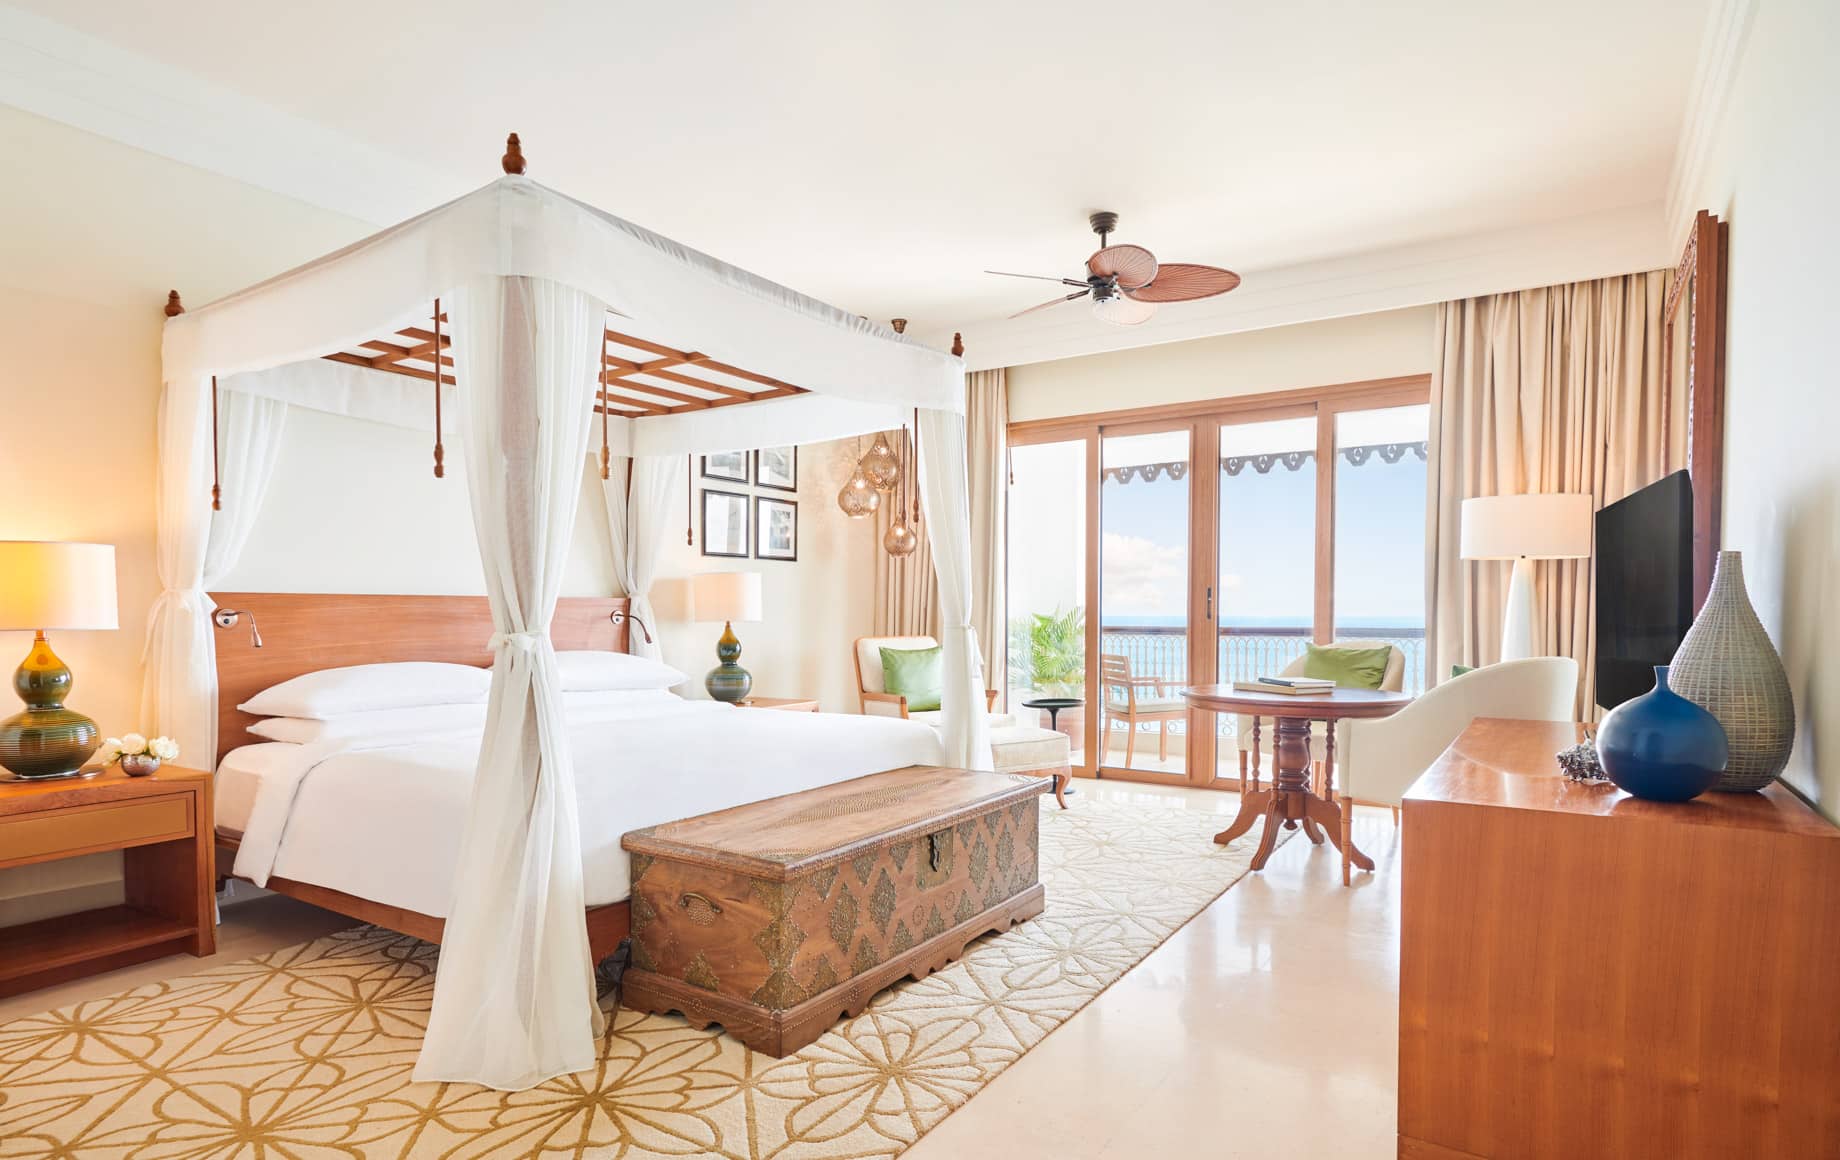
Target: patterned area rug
<point>306,1053</point>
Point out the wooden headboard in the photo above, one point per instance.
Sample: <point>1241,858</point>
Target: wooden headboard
<point>305,632</point>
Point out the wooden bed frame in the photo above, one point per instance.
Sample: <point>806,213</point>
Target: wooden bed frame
<point>301,633</point>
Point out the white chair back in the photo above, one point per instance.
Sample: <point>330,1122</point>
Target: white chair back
<point>869,658</point>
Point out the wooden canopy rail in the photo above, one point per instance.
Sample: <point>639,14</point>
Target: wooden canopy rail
<point>643,377</point>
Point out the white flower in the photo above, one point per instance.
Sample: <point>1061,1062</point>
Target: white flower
<point>164,748</point>
<point>133,743</point>
<point>110,752</point>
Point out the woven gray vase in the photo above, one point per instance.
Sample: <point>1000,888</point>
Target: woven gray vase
<point>1727,665</point>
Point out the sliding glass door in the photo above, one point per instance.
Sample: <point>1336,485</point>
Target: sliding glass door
<point>1144,581</point>
<point>1201,544</point>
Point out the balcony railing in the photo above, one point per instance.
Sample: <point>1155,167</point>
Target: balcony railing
<point>1247,653</point>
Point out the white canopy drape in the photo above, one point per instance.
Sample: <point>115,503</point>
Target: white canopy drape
<point>527,276</point>
<point>637,518</point>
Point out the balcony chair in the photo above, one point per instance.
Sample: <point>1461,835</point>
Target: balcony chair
<point>1119,701</point>
<point>1255,743</point>
<point>1377,761</point>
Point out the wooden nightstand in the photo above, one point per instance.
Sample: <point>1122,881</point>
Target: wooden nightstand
<point>789,704</point>
<point>162,826</point>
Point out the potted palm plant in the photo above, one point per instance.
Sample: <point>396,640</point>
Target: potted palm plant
<point>1047,656</point>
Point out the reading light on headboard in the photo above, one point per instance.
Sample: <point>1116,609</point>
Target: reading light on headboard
<point>227,617</point>
<point>621,616</point>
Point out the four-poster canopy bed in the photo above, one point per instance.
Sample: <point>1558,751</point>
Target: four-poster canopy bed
<point>534,325</point>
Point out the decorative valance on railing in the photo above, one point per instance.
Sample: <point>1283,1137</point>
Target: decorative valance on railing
<point>1289,460</point>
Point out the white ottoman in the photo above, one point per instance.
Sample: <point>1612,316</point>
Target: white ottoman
<point>1029,749</point>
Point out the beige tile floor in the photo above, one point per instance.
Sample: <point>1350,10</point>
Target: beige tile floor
<point>1265,1027</point>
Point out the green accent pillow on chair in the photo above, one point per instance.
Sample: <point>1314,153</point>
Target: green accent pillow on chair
<point>915,673</point>
<point>1458,670</point>
<point>1349,668</point>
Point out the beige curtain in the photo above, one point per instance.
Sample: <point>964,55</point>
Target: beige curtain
<point>1550,390</point>
<point>987,454</point>
<point>906,592</point>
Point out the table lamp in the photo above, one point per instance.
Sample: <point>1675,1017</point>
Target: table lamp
<point>727,597</point>
<point>50,585</point>
<point>1525,528</point>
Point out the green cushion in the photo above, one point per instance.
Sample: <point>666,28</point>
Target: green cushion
<point>1349,668</point>
<point>1459,670</point>
<point>915,673</point>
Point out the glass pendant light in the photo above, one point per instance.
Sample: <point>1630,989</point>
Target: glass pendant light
<point>899,540</point>
<point>881,464</point>
<point>859,497</point>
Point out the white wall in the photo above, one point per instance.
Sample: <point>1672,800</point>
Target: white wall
<point>813,609</point>
<point>355,507</point>
<point>1774,174</point>
<point>1309,354</point>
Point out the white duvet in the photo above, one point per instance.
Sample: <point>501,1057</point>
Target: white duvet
<point>380,817</point>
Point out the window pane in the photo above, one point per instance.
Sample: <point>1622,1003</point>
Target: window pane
<point>1143,585</point>
<point>1380,530</point>
<point>1047,578</point>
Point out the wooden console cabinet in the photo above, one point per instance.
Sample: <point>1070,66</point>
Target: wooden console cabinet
<point>162,826</point>
<point>1583,974</point>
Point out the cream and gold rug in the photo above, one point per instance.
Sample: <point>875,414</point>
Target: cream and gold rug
<point>306,1053</point>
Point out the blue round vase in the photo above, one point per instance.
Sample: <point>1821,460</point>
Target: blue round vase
<point>1661,746</point>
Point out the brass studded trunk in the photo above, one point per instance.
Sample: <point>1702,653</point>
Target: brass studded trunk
<point>776,918</point>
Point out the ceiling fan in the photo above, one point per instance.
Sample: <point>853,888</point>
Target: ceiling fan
<point>1126,282</point>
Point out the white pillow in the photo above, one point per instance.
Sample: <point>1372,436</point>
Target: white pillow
<point>364,688</point>
<point>307,730</point>
<point>597,671</point>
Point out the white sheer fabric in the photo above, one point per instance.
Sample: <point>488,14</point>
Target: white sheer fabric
<point>965,728</point>
<point>249,431</point>
<point>514,1000</point>
<point>179,696</point>
<point>637,522</point>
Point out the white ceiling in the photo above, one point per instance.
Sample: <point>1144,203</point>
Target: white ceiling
<point>880,156</point>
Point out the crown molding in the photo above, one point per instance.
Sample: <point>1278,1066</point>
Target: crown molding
<point>1593,246</point>
<point>1721,52</point>
<point>79,80</point>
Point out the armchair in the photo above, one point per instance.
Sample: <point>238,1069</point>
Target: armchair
<point>1378,760</point>
<point>873,697</point>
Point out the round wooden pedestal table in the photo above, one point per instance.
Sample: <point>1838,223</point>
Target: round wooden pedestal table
<point>1288,799</point>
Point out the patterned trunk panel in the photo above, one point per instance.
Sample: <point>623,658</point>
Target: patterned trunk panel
<point>775,945</point>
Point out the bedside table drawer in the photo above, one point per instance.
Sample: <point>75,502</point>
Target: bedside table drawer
<point>99,827</point>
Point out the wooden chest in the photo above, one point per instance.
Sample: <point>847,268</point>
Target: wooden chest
<point>776,918</point>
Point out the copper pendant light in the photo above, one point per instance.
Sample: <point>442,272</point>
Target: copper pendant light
<point>899,540</point>
<point>881,465</point>
<point>858,498</point>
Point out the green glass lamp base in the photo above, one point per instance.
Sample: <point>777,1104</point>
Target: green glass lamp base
<point>47,740</point>
<point>728,681</point>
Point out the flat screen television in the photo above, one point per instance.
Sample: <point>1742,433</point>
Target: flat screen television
<point>1644,586</point>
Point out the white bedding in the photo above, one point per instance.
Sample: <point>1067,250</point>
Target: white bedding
<point>381,818</point>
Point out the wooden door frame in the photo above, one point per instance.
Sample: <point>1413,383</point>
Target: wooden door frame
<point>1203,419</point>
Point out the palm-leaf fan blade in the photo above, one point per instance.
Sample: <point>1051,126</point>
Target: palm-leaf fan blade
<point>1183,281</point>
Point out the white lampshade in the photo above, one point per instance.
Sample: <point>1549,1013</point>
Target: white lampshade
<point>1540,527</point>
<point>46,585</point>
<point>725,596</point>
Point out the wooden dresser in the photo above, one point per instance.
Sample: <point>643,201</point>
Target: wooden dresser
<point>1583,974</point>
<point>162,826</point>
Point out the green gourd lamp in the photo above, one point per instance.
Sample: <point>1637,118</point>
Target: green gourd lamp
<point>45,585</point>
<point>727,597</point>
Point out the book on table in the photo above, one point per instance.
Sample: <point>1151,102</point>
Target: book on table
<point>1283,690</point>
<point>1299,682</point>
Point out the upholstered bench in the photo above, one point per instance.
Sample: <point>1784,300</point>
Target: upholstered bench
<point>1033,750</point>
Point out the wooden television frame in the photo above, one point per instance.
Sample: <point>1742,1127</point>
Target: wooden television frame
<point>304,632</point>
